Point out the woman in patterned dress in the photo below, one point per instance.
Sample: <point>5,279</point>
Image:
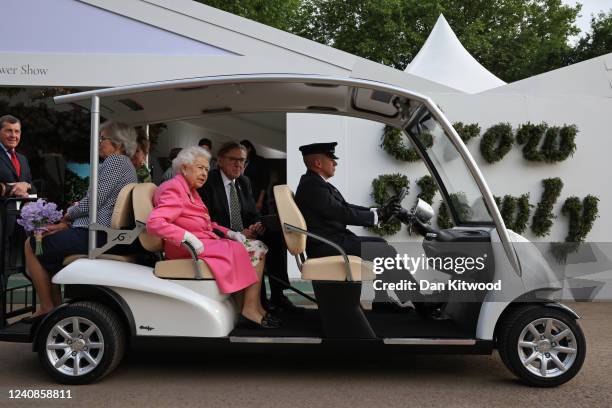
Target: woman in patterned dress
<point>71,234</point>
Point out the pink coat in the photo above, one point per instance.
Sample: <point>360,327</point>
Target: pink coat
<point>178,209</point>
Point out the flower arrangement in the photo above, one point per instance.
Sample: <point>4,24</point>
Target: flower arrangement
<point>36,216</point>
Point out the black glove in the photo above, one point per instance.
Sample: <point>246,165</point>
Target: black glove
<point>405,216</point>
<point>387,211</point>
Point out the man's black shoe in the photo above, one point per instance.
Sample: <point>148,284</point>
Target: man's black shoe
<point>284,305</point>
<point>390,307</point>
<point>430,310</point>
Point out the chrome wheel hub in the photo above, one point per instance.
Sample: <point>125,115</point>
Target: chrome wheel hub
<point>543,346</point>
<point>75,346</point>
<point>78,345</point>
<point>547,347</point>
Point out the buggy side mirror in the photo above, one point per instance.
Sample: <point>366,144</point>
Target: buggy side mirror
<point>423,211</point>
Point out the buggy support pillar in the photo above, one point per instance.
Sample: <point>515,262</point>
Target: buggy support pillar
<point>146,131</point>
<point>93,172</point>
<point>489,200</point>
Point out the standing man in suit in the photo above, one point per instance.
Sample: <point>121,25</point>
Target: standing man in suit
<point>229,199</point>
<point>16,176</point>
<point>327,214</point>
<point>257,171</point>
<point>14,168</point>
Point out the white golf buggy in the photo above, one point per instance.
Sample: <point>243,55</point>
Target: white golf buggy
<point>113,303</point>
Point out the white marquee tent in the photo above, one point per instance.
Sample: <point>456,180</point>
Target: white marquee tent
<point>444,60</point>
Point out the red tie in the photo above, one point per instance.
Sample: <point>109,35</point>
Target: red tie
<point>15,163</point>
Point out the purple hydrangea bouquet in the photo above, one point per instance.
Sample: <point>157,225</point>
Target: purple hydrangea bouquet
<point>36,216</point>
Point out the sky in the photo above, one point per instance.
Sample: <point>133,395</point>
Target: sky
<point>588,7</point>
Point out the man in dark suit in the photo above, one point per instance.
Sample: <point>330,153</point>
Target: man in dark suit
<point>16,176</point>
<point>229,199</point>
<point>257,171</point>
<point>14,168</point>
<point>327,214</point>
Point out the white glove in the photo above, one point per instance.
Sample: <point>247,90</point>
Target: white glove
<point>194,242</point>
<point>236,236</point>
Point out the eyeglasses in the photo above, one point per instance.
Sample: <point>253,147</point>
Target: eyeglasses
<point>235,160</point>
<point>103,138</point>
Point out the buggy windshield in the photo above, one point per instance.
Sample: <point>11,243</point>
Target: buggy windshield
<point>459,188</point>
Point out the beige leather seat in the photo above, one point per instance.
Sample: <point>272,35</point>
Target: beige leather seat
<point>329,268</point>
<point>332,268</point>
<point>122,218</point>
<point>121,258</point>
<point>172,269</point>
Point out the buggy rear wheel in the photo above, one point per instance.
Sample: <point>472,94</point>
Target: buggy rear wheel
<point>81,343</point>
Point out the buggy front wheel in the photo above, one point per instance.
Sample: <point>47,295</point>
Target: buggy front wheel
<point>543,346</point>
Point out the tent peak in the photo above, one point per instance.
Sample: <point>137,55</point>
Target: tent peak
<point>443,59</point>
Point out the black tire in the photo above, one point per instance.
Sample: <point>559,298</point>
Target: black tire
<point>508,345</point>
<point>109,340</point>
<point>503,350</point>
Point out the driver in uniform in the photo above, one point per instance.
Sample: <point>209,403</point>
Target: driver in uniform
<point>327,214</point>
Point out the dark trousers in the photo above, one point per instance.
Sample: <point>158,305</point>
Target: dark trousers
<point>276,264</point>
<point>368,248</point>
<point>74,241</point>
<point>13,236</point>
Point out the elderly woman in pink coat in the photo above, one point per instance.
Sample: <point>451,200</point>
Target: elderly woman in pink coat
<point>181,216</point>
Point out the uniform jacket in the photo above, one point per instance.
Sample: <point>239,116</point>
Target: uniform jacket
<point>326,212</point>
<point>213,195</point>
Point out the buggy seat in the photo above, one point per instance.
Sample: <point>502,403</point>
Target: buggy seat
<point>169,269</point>
<point>122,218</point>
<point>336,280</point>
<point>341,267</point>
<point>134,204</point>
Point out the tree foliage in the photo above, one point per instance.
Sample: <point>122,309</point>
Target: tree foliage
<point>275,13</point>
<point>48,130</point>
<point>514,39</point>
<point>598,41</point>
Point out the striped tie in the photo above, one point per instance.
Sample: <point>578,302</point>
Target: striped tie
<point>236,218</point>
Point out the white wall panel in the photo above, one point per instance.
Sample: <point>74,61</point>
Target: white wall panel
<point>69,26</point>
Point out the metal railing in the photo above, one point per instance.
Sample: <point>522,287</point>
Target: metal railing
<point>10,254</point>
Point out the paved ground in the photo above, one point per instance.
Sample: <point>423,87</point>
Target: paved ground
<point>306,378</point>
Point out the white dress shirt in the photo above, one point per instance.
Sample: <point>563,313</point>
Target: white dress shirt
<point>226,185</point>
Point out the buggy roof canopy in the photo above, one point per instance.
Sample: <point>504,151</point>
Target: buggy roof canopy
<point>199,97</point>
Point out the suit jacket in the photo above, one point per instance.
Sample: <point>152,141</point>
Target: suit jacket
<point>8,173</point>
<point>325,210</point>
<point>213,195</point>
